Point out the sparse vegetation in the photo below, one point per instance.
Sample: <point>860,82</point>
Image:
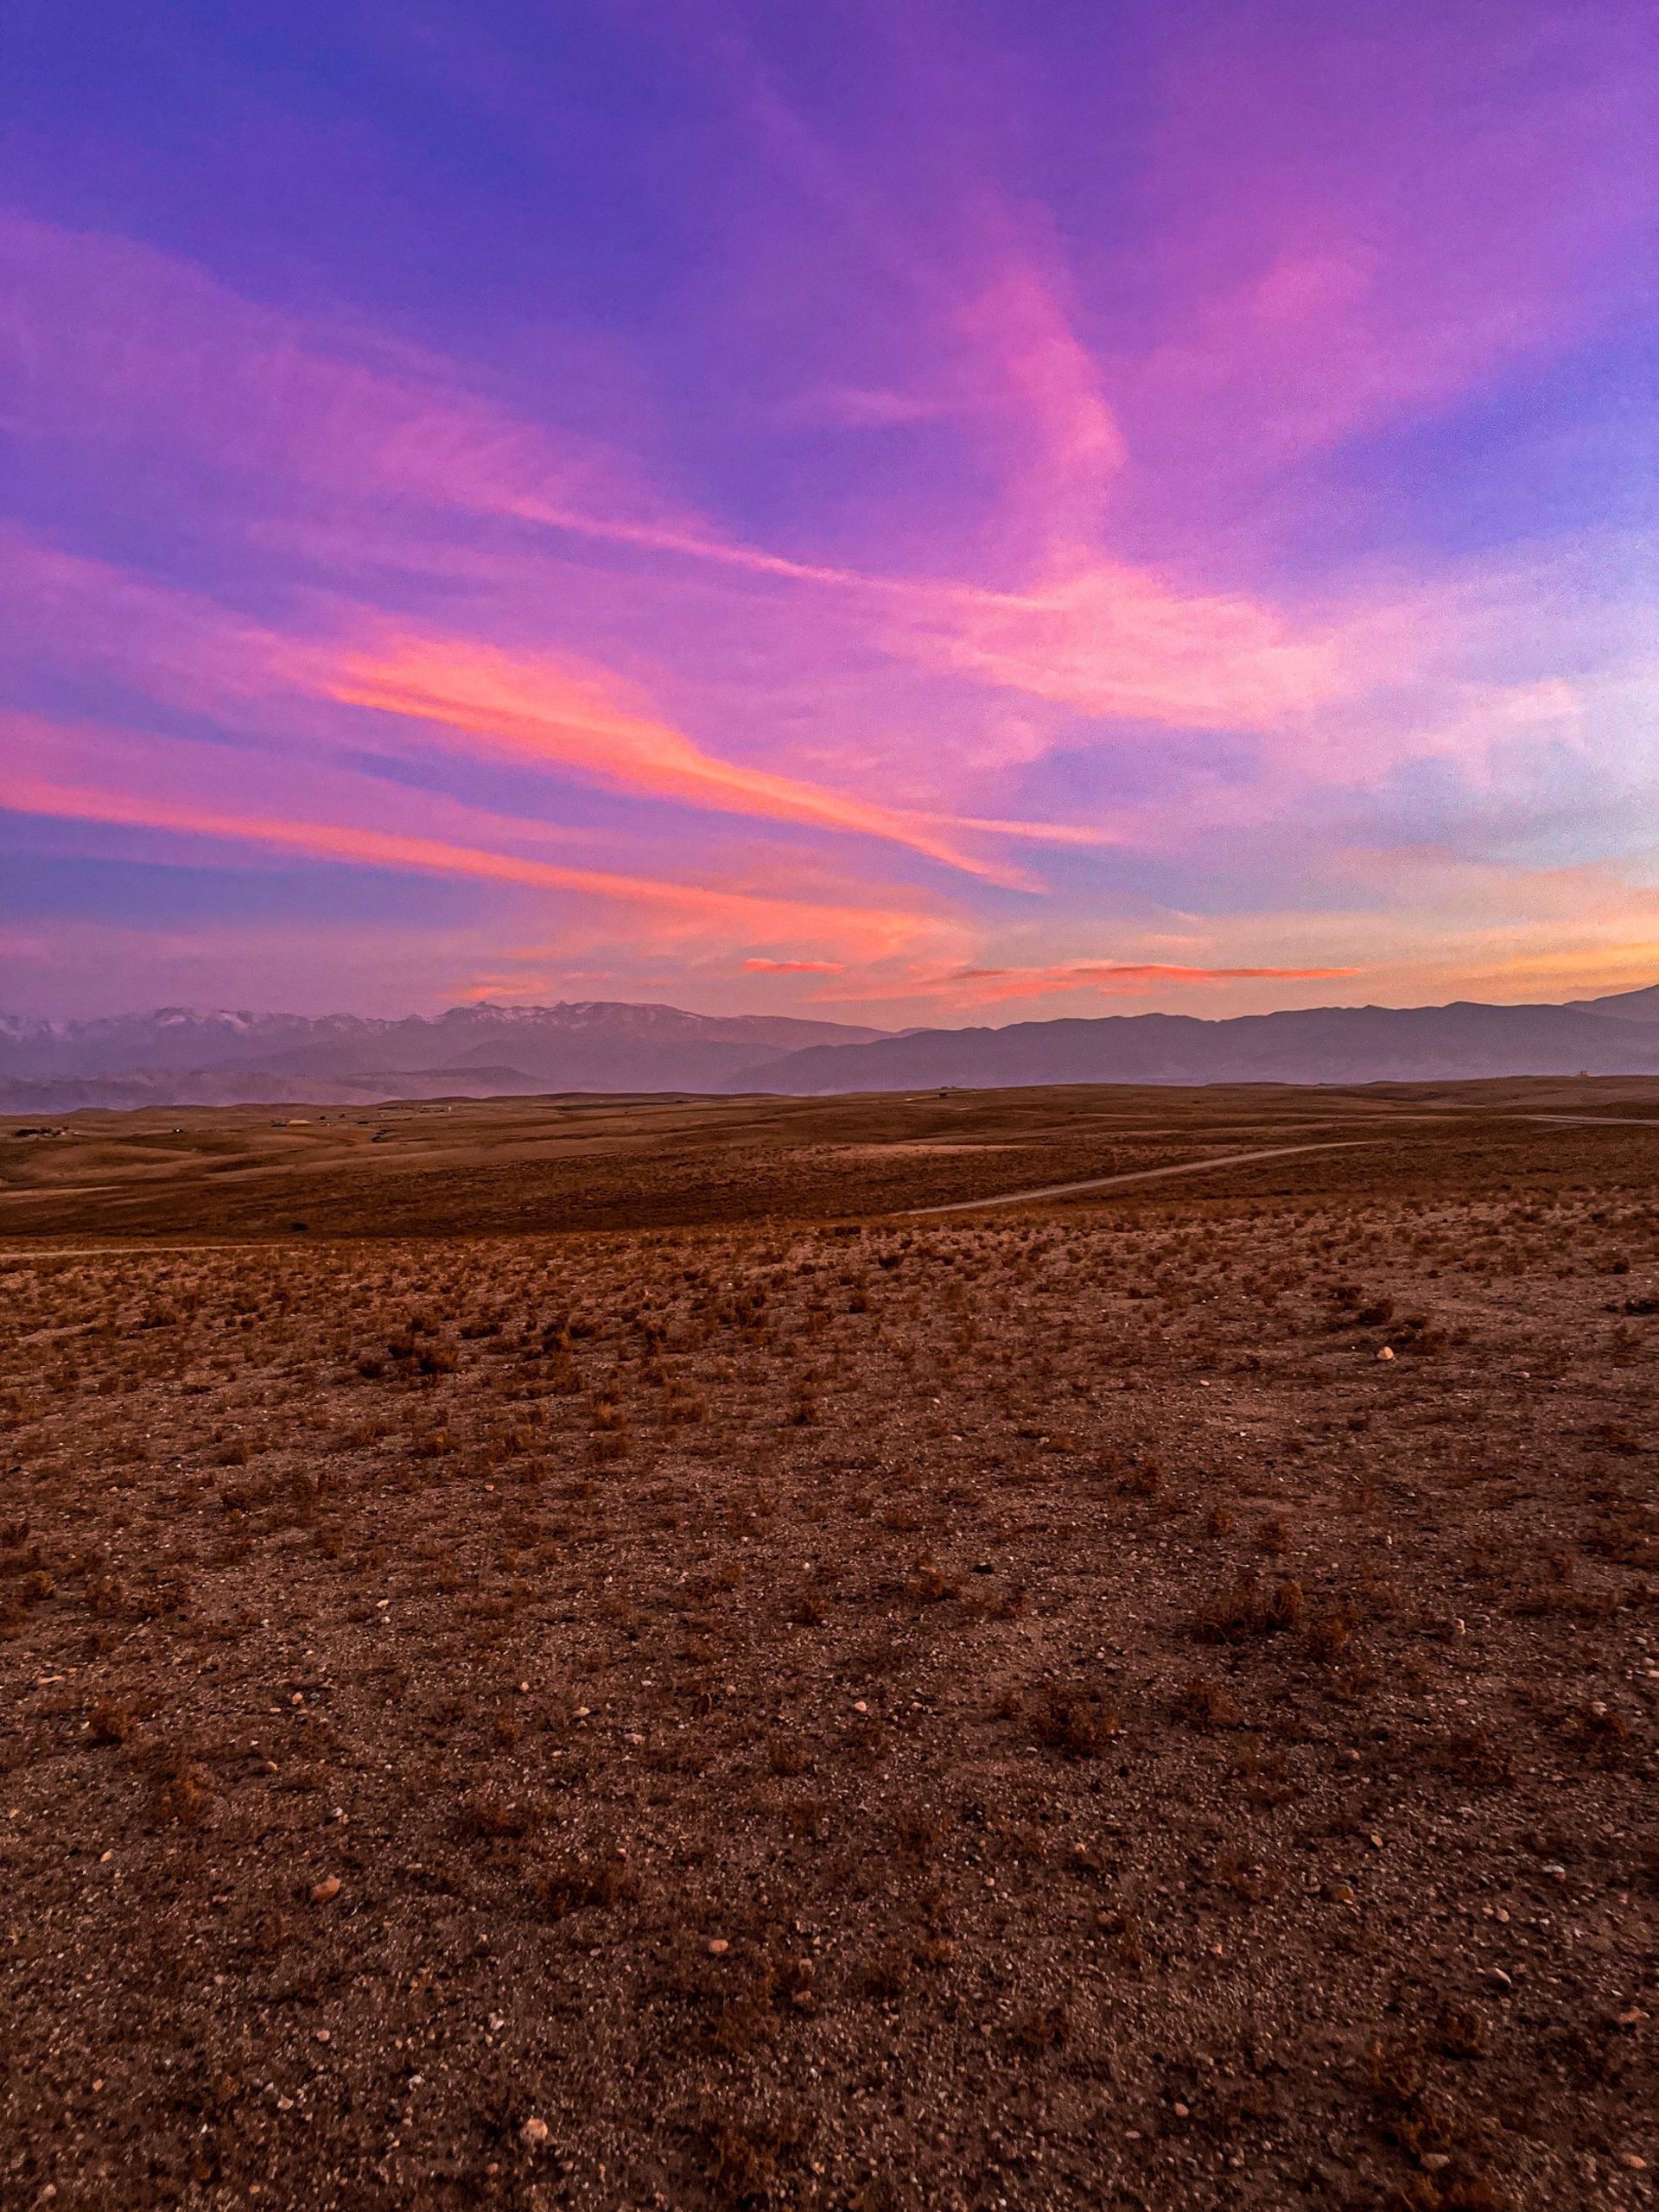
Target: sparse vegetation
<point>1009,1708</point>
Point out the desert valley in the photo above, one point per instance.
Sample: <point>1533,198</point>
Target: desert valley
<point>682,1652</point>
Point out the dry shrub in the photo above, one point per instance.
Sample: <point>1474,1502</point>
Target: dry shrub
<point>592,1881</point>
<point>1066,1718</point>
<point>1602,1734</point>
<point>788,1755</point>
<point>887,1976</point>
<point>1457,2191</point>
<point>1231,1873</point>
<point>1266,1783</point>
<point>1461,2032</point>
<point>742,2160</point>
<point>928,1585</point>
<point>487,1818</point>
<point>918,1831</point>
<point>1475,1759</point>
<point>1206,1704</point>
<point>181,1789</point>
<point>109,1723</point>
<point>1330,1633</point>
<point>262,1932</point>
<point>1397,2076</point>
<point>808,1818</point>
<point>1046,2028</point>
<point>1251,1608</point>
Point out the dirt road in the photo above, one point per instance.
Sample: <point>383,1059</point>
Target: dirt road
<point>1139,1175</point>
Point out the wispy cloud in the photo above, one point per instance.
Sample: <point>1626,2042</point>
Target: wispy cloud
<point>867,932</point>
<point>554,715</point>
<point>1202,563</point>
<point>971,987</point>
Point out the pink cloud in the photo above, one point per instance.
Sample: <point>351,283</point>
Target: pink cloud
<point>1115,640</point>
<point>113,342</point>
<point>1026,355</point>
<point>991,986</point>
<point>1291,281</point>
<point>1339,230</point>
<point>739,914</point>
<point>573,719</point>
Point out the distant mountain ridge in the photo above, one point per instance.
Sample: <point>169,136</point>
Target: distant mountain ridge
<point>176,1057</point>
<point>1464,1042</point>
<point>1626,1006</point>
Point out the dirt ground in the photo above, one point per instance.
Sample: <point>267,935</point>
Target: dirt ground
<point>661,1678</point>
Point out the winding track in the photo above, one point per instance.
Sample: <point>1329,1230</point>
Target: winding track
<point>1239,1159</point>
<point>1139,1175</point>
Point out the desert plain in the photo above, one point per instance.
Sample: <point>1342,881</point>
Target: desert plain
<point>677,1652</point>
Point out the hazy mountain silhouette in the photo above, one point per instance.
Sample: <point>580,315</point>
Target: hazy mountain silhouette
<point>1369,1044</point>
<point>1626,1006</point>
<point>177,1057</point>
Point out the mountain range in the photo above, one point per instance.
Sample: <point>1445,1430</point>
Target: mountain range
<point>177,1057</point>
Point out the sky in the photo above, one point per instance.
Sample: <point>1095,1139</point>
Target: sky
<point>896,513</point>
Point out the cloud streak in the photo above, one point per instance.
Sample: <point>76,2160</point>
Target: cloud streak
<point>1129,488</point>
<point>972,987</point>
<point>573,720</point>
<point>869,931</point>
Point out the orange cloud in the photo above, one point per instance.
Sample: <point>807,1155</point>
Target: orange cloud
<point>554,714</point>
<point>794,968</point>
<point>872,930</point>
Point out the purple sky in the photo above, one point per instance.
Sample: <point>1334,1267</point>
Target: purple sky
<point>890,513</point>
